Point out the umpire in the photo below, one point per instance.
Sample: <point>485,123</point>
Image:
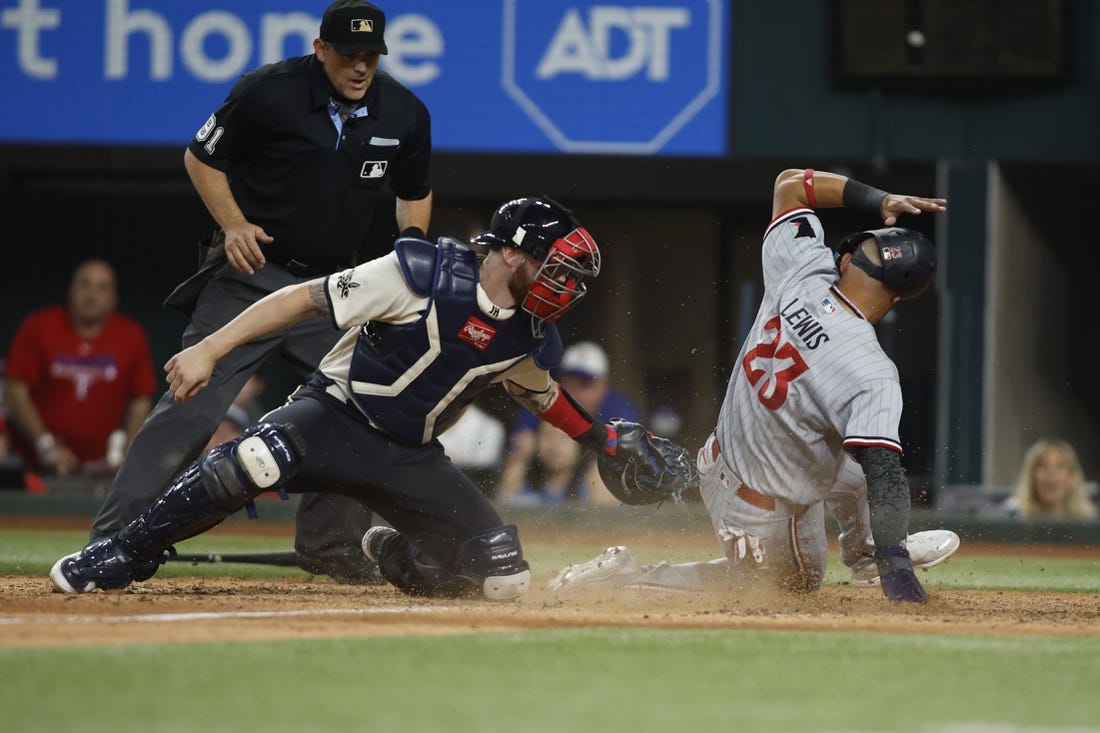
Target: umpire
<point>291,167</point>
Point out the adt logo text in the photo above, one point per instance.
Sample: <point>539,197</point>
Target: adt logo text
<point>608,78</point>
<point>586,47</point>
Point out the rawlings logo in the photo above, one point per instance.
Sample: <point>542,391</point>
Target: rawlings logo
<point>477,333</point>
<point>344,284</point>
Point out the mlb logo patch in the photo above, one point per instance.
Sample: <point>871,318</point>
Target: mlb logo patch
<point>477,333</point>
<point>362,25</point>
<point>828,306</point>
<point>373,169</point>
<point>893,252</point>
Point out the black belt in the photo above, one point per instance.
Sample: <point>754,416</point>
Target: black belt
<point>297,268</point>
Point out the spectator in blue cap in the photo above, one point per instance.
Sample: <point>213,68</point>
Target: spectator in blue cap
<point>544,465</point>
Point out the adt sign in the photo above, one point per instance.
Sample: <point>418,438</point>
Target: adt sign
<point>642,77</point>
<point>602,78</point>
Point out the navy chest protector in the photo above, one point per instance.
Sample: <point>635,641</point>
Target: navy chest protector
<point>413,380</point>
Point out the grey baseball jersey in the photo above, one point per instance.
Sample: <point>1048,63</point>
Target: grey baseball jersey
<point>810,379</point>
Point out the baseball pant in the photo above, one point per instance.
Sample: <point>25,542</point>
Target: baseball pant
<point>416,489</point>
<point>795,547</point>
<point>329,528</point>
<point>793,537</point>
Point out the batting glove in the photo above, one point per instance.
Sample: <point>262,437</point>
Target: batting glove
<point>742,545</point>
<point>899,582</point>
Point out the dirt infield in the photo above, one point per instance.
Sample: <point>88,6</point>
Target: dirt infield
<point>226,608</point>
<point>230,609</point>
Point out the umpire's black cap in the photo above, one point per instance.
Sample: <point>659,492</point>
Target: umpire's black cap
<point>351,26</point>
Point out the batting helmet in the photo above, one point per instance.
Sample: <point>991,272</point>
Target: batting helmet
<point>549,232</point>
<point>908,259</point>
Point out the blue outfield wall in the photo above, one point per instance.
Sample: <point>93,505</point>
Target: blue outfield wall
<point>685,78</point>
<point>508,76</point>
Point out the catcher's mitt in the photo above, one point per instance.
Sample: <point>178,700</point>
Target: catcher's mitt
<point>645,468</point>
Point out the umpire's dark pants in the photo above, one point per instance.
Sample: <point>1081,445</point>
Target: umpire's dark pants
<point>330,527</point>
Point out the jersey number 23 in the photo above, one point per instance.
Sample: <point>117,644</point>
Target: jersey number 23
<point>771,366</point>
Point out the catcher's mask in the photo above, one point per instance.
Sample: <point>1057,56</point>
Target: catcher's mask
<point>908,259</point>
<point>549,232</point>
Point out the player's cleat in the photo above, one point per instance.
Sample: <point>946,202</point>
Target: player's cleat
<point>932,547</point>
<point>926,550</point>
<point>100,565</point>
<point>614,566</point>
<point>346,567</point>
<point>373,540</point>
<point>66,577</point>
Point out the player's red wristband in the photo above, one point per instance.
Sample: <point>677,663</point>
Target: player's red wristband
<point>565,416</point>
<point>808,187</point>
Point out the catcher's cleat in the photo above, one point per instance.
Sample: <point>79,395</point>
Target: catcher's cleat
<point>615,566</point>
<point>926,550</point>
<point>373,539</point>
<point>101,565</point>
<point>343,565</point>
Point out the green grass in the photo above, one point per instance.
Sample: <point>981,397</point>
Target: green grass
<point>1023,574</point>
<point>29,552</point>
<point>580,681</point>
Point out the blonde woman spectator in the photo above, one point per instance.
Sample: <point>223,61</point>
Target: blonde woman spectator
<point>1051,484</point>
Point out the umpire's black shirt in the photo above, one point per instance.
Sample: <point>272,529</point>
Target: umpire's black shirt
<point>276,138</point>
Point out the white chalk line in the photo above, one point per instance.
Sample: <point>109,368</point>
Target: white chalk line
<point>215,615</point>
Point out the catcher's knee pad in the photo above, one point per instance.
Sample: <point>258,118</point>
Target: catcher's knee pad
<point>263,457</point>
<point>494,562</point>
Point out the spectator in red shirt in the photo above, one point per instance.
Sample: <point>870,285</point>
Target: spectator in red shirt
<point>5,445</point>
<point>77,374</point>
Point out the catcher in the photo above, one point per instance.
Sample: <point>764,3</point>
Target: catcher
<point>427,328</point>
<point>810,417</point>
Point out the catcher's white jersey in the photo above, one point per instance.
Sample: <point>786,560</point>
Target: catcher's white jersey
<point>811,377</point>
<point>376,291</point>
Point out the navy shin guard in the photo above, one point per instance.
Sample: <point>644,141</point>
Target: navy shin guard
<point>263,458</point>
<point>493,562</point>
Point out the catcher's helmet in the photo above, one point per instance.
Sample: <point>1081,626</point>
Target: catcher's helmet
<point>908,259</point>
<point>549,232</point>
